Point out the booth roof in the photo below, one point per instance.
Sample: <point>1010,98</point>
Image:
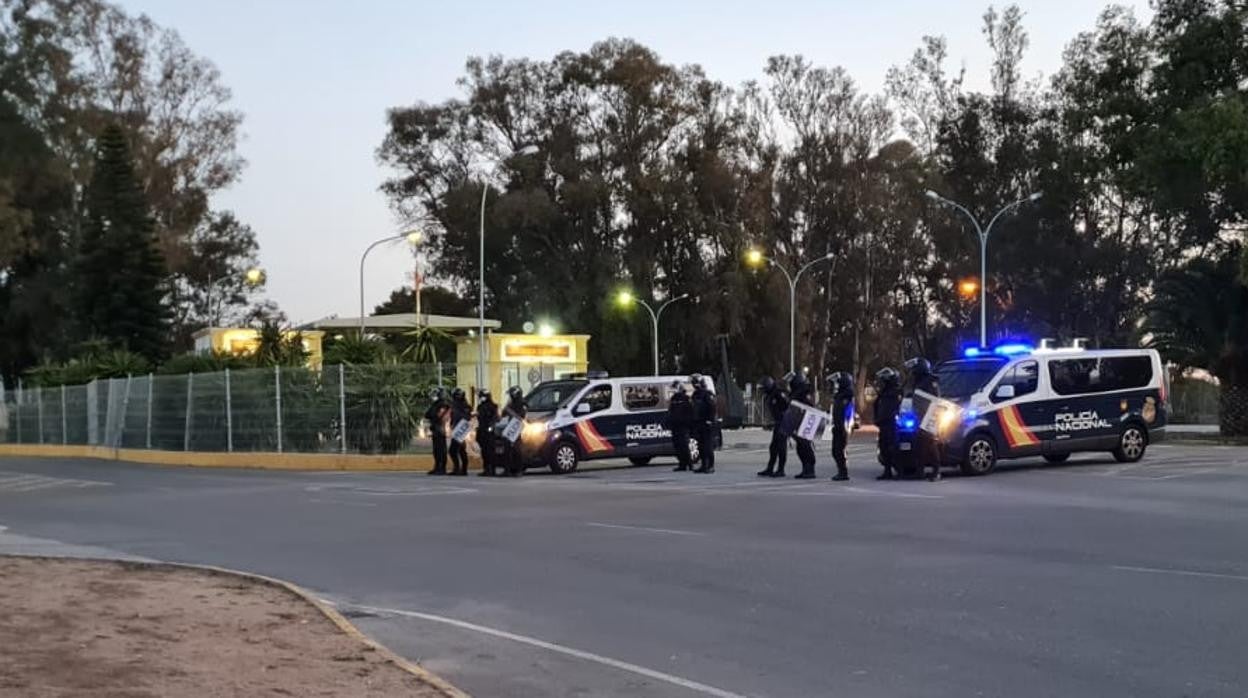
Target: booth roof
<point>400,322</point>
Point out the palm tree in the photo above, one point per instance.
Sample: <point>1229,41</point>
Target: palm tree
<point>424,344</point>
<point>1199,318</point>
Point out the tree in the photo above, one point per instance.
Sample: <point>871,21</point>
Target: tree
<point>1199,318</point>
<point>119,274</point>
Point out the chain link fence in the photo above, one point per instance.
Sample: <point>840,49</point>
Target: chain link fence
<point>343,409</point>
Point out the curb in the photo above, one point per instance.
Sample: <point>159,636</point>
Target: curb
<point>331,614</point>
<point>237,459</point>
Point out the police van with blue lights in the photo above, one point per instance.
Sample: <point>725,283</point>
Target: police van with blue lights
<point>593,416</point>
<point>1015,401</point>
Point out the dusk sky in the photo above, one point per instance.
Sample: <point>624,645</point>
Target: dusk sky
<point>315,78</point>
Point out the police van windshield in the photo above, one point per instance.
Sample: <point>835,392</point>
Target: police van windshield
<point>962,379</point>
<point>550,396</point>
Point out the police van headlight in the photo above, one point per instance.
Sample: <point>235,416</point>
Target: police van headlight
<point>948,419</point>
<point>534,430</point>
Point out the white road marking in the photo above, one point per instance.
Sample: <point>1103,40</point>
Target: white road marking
<point>23,482</point>
<point>561,649</point>
<point>836,491</point>
<point>1182,573</point>
<point>669,531</point>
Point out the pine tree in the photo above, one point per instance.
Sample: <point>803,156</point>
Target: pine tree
<point>121,277</point>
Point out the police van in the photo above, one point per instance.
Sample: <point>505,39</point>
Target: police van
<point>1016,401</point>
<point>595,416</point>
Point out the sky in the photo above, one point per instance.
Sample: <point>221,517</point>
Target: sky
<point>314,79</point>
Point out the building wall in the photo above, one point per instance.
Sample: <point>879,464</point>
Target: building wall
<point>521,359</point>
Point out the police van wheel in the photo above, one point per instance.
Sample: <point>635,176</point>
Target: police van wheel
<point>1131,445</point>
<point>639,460</point>
<point>1057,457</point>
<point>981,455</point>
<point>564,460</point>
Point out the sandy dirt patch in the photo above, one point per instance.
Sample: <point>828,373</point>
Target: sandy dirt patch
<point>100,629</point>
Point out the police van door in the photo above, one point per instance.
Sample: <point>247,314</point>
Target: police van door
<point>1092,395</point>
<point>645,419</point>
<point>594,424</point>
<point>1021,416</point>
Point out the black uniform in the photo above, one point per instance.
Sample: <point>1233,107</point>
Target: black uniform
<point>704,420</point>
<point>842,413</point>
<point>805,449</point>
<point>436,416</point>
<point>777,403</point>
<point>927,446</point>
<point>487,417</point>
<point>460,410</point>
<point>679,422</point>
<point>516,409</point>
<point>887,405</point>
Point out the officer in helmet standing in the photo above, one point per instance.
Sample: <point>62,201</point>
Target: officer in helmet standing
<point>842,383</point>
<point>800,391</point>
<point>927,447</point>
<point>887,405</point>
<point>777,403</point>
<point>487,417</point>
<point>461,411</point>
<point>679,422</point>
<point>437,415</point>
<point>515,409</point>
<point>705,414</point>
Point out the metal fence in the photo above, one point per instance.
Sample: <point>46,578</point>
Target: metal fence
<point>346,409</point>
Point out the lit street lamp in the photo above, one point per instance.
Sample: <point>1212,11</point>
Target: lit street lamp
<point>626,298</point>
<point>983,234</point>
<point>253,277</point>
<point>413,238</point>
<point>756,258</point>
<point>485,189</point>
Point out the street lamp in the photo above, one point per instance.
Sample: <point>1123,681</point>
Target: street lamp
<point>626,298</point>
<point>413,238</point>
<point>968,287</point>
<point>253,277</point>
<point>485,189</point>
<point>756,258</point>
<point>983,234</point>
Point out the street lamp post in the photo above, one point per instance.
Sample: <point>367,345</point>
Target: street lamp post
<point>413,237</point>
<point>485,189</point>
<point>755,258</point>
<point>983,234</point>
<point>627,298</point>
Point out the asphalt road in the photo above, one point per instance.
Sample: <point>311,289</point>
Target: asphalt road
<point>1088,579</point>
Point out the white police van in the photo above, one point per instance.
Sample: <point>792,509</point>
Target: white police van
<point>595,416</point>
<point>1016,401</point>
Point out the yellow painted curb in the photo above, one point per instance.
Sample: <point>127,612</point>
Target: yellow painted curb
<point>423,675</point>
<point>208,459</point>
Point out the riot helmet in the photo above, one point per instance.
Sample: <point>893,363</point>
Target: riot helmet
<point>457,394</point>
<point>768,384</point>
<point>515,393</point>
<point>919,366</point>
<point>483,394</point>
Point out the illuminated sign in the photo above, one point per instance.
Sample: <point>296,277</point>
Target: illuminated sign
<point>544,351</point>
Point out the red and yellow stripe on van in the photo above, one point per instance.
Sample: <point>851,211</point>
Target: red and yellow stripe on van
<point>591,441</point>
<point>1016,432</point>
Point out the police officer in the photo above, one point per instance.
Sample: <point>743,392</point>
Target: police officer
<point>679,422</point>
<point>704,420</point>
<point>777,403</point>
<point>887,405</point>
<point>842,383</point>
<point>487,417</point>
<point>515,409</point>
<point>436,415</point>
<point>460,411</point>
<point>800,391</point>
<point>927,448</point>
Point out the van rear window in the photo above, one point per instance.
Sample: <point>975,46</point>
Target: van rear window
<point>1100,375</point>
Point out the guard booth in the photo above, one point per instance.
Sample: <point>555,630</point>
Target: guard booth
<point>520,359</point>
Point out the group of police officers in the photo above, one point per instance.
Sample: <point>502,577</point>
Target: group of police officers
<point>445,415</point>
<point>888,386</point>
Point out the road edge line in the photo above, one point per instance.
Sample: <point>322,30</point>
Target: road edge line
<point>331,614</point>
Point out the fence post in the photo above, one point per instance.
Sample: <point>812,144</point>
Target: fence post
<point>277,392</point>
<point>186,429</point>
<point>125,409</point>
<point>17,410</point>
<point>64,421</point>
<point>39,410</point>
<point>150,380</point>
<point>439,374</point>
<point>229,415</point>
<point>342,408</point>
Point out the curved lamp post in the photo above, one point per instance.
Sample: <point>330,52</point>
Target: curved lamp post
<point>626,298</point>
<point>756,258</point>
<point>413,238</point>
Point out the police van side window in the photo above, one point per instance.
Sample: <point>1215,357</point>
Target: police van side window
<point>1100,375</point>
<point>1025,377</point>
<point>648,396</point>
<point>598,398</point>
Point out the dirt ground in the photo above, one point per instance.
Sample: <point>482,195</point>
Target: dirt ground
<point>99,629</point>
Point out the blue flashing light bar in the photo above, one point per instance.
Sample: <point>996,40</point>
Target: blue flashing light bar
<point>972,352</point>
<point>907,421</point>
<point>1013,349</point>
